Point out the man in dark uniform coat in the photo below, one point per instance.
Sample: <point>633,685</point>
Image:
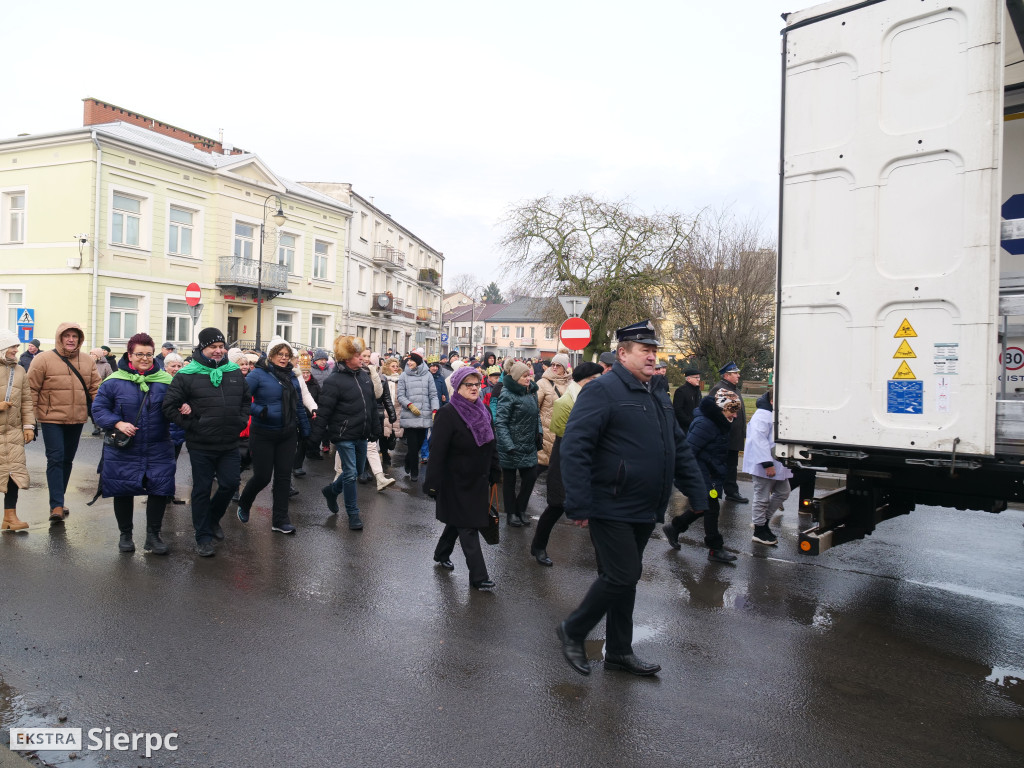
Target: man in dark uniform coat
<point>621,452</point>
<point>730,374</point>
<point>687,398</point>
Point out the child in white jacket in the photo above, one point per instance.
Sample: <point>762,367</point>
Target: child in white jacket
<point>770,478</point>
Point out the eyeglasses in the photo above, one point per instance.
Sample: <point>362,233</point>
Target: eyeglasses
<point>469,384</point>
<point>143,355</point>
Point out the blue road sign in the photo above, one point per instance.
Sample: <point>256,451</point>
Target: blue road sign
<point>444,338</point>
<point>25,333</point>
<point>1013,225</point>
<point>905,396</point>
<point>26,316</point>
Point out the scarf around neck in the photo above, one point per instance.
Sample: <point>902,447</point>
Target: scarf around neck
<point>475,414</point>
<point>156,377</point>
<point>215,374</point>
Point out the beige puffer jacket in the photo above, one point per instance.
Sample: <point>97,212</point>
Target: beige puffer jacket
<point>57,393</point>
<point>12,422</point>
<point>550,387</point>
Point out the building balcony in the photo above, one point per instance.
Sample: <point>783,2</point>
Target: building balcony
<point>235,273</point>
<point>383,304</point>
<point>388,257</point>
<point>462,341</point>
<point>429,278</point>
<point>426,315</point>
<point>525,343</point>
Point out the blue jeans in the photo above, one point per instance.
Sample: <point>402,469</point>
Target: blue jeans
<point>61,442</point>
<point>425,450</point>
<point>353,461</point>
<point>207,511</point>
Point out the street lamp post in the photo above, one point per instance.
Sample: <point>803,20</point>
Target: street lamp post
<point>279,220</point>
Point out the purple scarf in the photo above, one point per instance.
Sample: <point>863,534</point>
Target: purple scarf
<point>476,415</point>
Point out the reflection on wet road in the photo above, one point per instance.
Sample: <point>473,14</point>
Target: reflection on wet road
<point>334,648</point>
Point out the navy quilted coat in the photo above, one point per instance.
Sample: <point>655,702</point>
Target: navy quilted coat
<point>147,466</point>
<point>267,401</point>
<point>708,438</point>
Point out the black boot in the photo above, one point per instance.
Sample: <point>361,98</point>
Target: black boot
<point>126,544</point>
<point>514,521</point>
<point>154,543</point>
<point>367,475</point>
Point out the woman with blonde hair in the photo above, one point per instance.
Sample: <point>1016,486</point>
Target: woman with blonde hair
<point>346,414</point>
<point>17,427</point>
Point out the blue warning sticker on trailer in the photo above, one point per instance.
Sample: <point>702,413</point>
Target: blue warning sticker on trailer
<point>905,396</point>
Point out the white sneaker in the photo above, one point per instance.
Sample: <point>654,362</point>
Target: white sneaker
<point>383,481</point>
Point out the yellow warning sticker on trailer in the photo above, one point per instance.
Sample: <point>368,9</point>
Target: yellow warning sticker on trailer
<point>904,372</point>
<point>906,330</point>
<point>904,351</point>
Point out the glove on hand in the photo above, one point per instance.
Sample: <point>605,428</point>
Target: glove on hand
<point>414,409</point>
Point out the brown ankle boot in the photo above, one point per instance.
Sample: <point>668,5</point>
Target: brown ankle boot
<point>57,515</point>
<point>11,522</point>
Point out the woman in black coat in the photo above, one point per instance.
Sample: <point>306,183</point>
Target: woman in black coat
<point>463,466</point>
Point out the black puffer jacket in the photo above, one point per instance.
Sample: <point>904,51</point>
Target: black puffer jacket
<point>347,409</point>
<point>708,438</point>
<point>218,413</point>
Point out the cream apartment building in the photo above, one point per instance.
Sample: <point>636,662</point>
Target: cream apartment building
<point>107,224</point>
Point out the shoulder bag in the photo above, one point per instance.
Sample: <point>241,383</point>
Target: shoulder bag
<point>88,397</point>
<point>115,438</point>
<point>491,533</point>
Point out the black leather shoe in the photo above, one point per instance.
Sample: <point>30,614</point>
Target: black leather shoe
<point>671,534</point>
<point>720,556</point>
<point>542,556</point>
<point>630,663</point>
<point>573,651</point>
<point>737,499</point>
<point>525,521</point>
<point>205,549</point>
<point>448,565</point>
<point>298,472</point>
<point>485,585</point>
<point>292,491</point>
<point>218,532</point>
<point>126,544</point>
<point>514,522</point>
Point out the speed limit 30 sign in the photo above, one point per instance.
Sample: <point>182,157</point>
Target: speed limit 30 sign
<point>1013,360</point>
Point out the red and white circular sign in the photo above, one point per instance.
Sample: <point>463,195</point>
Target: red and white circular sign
<point>192,294</point>
<point>575,333</point>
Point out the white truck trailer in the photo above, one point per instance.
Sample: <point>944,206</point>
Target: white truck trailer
<point>900,317</point>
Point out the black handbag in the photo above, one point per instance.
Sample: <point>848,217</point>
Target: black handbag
<point>492,533</point>
<point>115,438</point>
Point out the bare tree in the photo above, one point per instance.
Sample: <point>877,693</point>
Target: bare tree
<point>464,282</point>
<point>607,250</point>
<point>721,291</point>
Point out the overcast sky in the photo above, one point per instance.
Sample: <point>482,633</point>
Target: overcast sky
<point>446,113</point>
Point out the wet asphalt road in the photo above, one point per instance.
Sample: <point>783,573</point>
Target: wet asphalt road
<point>334,648</point>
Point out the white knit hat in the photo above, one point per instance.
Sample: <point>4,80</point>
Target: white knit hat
<point>277,341</point>
<point>8,339</point>
<point>561,359</point>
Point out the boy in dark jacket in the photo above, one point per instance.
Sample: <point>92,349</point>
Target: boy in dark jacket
<point>210,400</point>
<point>708,438</point>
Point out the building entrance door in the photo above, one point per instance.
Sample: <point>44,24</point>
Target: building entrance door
<point>232,330</point>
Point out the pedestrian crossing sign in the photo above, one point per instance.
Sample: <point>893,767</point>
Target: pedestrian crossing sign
<point>26,316</point>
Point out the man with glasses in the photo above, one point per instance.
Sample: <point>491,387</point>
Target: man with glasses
<point>687,398</point>
<point>210,400</point>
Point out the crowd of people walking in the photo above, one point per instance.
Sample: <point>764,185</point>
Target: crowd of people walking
<point>605,434</point>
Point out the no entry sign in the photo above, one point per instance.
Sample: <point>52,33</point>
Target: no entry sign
<point>574,334</point>
<point>192,294</point>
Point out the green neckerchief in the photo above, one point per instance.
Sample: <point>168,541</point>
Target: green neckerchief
<point>157,377</point>
<point>215,374</point>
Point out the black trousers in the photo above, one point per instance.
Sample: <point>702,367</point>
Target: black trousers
<point>620,551</point>
<point>556,499</point>
<point>124,511</point>
<point>712,536</point>
<point>470,540</point>
<point>414,437</point>
<point>207,509</point>
<point>515,504</point>
<point>11,494</point>
<point>272,456</point>
<point>732,460</point>
<point>301,448</point>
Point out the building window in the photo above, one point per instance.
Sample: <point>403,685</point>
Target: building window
<point>286,252</point>
<point>284,325</point>
<point>179,232</point>
<point>520,332</point>
<point>364,226</point>
<point>13,300</point>
<point>245,236</point>
<point>179,322</point>
<point>679,332</point>
<point>504,331</point>
<point>373,339</point>
<point>321,259</point>
<point>13,212</point>
<point>123,318</point>
<point>318,331</point>
<point>361,285</point>
<point>126,223</point>
<point>549,332</point>
<point>361,331</point>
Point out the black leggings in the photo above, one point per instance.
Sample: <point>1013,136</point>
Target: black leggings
<point>11,495</point>
<point>516,504</point>
<point>272,456</point>
<point>124,512</point>
<point>414,437</point>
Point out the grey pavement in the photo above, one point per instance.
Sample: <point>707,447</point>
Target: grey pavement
<point>334,648</point>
